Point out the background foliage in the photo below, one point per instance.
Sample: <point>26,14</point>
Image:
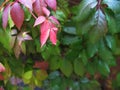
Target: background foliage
<point>87,49</point>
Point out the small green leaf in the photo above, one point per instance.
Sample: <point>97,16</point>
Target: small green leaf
<point>28,75</point>
<point>103,68</point>
<point>54,63</point>
<point>66,67</point>
<point>84,57</point>
<point>70,30</point>
<point>79,68</point>
<point>111,42</point>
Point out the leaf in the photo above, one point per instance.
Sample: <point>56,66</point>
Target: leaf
<point>17,49</point>
<point>5,16</point>
<point>17,15</point>
<point>39,20</point>
<point>111,42</point>
<point>53,37</point>
<point>54,20</point>
<point>66,68</point>
<point>27,3</point>
<point>6,40</point>
<point>28,75</point>
<point>37,7</point>
<point>92,49</point>
<point>46,11</point>
<point>85,8</point>
<point>79,69</point>
<point>54,63</point>
<point>84,57</point>
<point>100,27</point>
<point>67,40</point>
<point>111,21</point>
<point>114,5</point>
<point>103,68</point>
<point>41,75</point>
<point>52,4</point>
<point>41,65</point>
<point>70,30</point>
<point>45,30</point>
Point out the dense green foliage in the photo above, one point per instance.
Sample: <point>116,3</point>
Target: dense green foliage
<point>87,46</point>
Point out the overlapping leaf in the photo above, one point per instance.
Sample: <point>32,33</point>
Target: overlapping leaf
<point>5,16</point>
<point>17,14</point>
<point>114,5</point>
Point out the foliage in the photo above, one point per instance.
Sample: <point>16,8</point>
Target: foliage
<point>83,45</point>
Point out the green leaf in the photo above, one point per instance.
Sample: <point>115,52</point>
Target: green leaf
<point>103,68</point>
<point>67,40</point>
<point>92,49</point>
<point>6,39</point>
<point>66,67</point>
<point>70,30</point>
<point>111,21</point>
<point>27,75</point>
<point>84,57</point>
<point>104,53</point>
<point>79,68</point>
<point>86,7</point>
<point>54,63</point>
<point>111,42</point>
<point>100,27</point>
<point>114,5</point>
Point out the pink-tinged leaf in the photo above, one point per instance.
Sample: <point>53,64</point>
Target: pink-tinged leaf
<point>46,11</point>
<point>33,1</point>
<point>5,16</point>
<point>2,68</point>
<point>17,15</point>
<point>53,38</point>
<point>37,6</point>
<point>23,36</point>
<point>45,30</point>
<point>54,19</point>
<point>52,4</point>
<point>27,3</point>
<point>39,20</point>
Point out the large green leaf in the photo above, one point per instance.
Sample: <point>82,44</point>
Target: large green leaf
<point>66,67</point>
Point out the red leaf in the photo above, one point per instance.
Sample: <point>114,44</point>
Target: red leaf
<point>27,3</point>
<point>52,4</point>
<point>54,20</point>
<point>45,29</point>
<point>37,6</point>
<point>1,77</point>
<point>17,15</point>
<point>42,65</point>
<point>53,38</point>
<point>39,20</point>
<point>2,68</point>
<point>46,11</point>
<point>5,16</point>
